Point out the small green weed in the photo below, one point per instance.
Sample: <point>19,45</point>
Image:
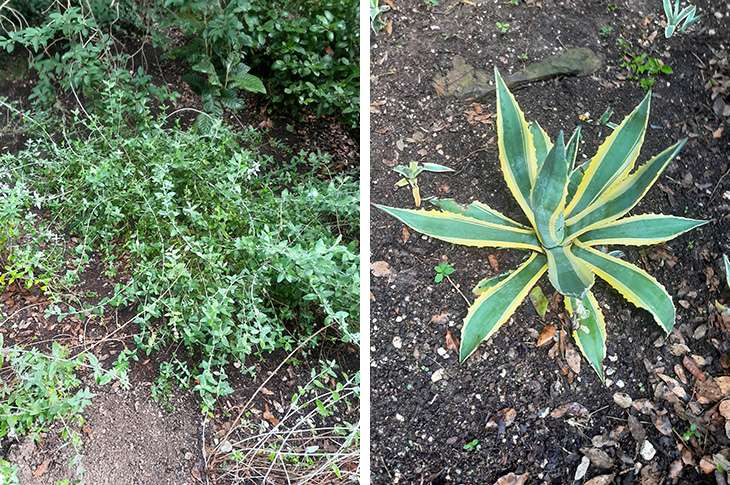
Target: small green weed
<point>606,31</point>
<point>473,445</point>
<point>692,431</point>
<point>443,270</point>
<point>503,27</point>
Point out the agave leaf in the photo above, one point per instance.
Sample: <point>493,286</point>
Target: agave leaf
<point>575,178</point>
<point>571,150</point>
<point>460,229</point>
<point>640,230</point>
<point>636,285</point>
<point>727,269</point>
<point>516,149</point>
<point>541,141</point>
<point>591,334</point>
<point>568,274</point>
<point>489,282</point>
<point>402,182</point>
<point>435,167</point>
<point>622,196</point>
<point>498,303</point>
<point>479,211</point>
<point>614,160</point>
<point>547,197</point>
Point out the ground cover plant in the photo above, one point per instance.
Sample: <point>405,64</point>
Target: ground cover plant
<point>176,253</point>
<point>526,407</point>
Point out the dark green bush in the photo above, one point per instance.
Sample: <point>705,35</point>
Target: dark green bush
<point>306,52</point>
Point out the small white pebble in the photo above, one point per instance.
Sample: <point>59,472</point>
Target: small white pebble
<point>397,342</point>
<point>400,418</point>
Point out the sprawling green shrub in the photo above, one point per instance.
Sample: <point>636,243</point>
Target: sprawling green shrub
<point>229,255</point>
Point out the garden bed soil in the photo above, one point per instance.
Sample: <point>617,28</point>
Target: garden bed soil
<point>514,410</point>
<point>127,437</point>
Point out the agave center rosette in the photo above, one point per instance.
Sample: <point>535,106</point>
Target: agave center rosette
<point>571,211</point>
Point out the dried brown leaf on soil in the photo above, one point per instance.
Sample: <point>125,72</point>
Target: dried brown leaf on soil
<point>692,367</point>
<point>675,469</point>
<point>601,479</point>
<point>573,359</point>
<point>270,417</point>
<point>452,343</point>
<point>547,334</point>
<point>43,468</point>
<point>440,319</point>
<point>674,386</point>
<point>406,234</point>
<point>636,428</point>
<point>622,399</point>
<point>502,420</point>
<point>662,423</point>
<point>381,269</point>
<point>725,408</point>
<point>512,479</point>
<point>571,410</point>
<point>599,458</point>
<point>493,262</point>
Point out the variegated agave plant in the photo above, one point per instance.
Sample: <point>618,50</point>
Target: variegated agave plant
<point>571,210</point>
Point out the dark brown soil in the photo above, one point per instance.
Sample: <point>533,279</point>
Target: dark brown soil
<point>127,437</point>
<point>424,429</point>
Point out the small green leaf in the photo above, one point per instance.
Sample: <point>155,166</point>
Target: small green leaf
<point>538,300</point>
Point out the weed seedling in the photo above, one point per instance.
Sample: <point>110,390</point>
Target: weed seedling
<point>444,269</point>
<point>606,30</point>
<point>503,27</point>
<point>473,445</point>
<point>692,431</point>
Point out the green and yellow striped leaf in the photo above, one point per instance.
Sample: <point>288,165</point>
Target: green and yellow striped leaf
<point>571,150</point>
<point>640,230</point>
<point>460,229</point>
<point>568,274</point>
<point>516,149</point>
<point>591,334</point>
<point>498,303</point>
<point>478,211</point>
<point>547,197</point>
<point>622,196</point>
<point>727,269</point>
<point>636,285</point>
<point>541,141</point>
<point>489,282</point>
<point>614,160</point>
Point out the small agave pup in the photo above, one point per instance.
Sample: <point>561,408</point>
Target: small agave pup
<point>571,210</point>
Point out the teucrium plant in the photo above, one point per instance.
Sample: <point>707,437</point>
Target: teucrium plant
<point>571,210</point>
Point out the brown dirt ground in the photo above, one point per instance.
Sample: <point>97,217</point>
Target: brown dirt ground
<point>420,426</point>
<point>127,437</point>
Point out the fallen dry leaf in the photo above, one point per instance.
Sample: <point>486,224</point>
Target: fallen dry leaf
<point>573,358</point>
<point>270,417</point>
<point>674,386</point>
<point>692,367</point>
<point>266,391</point>
<point>493,262</point>
<point>706,464</point>
<point>662,423</point>
<point>601,479</point>
<point>547,334</point>
<point>675,469</point>
<point>599,458</point>
<point>571,409</point>
<point>724,383</point>
<point>381,269</point>
<point>406,234</point>
<point>41,469</point>
<point>502,420</point>
<point>441,318</point>
<point>717,133</point>
<point>512,479</point>
<point>644,406</point>
<point>622,399</point>
<point>725,408</point>
<point>452,343</point>
<point>636,429</point>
